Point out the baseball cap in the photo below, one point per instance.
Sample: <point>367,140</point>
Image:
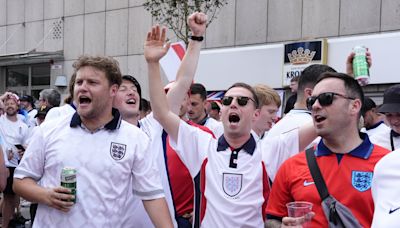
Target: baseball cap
<point>43,111</point>
<point>391,100</point>
<point>135,82</point>
<point>26,98</point>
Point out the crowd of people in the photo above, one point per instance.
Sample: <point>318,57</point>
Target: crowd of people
<point>186,162</point>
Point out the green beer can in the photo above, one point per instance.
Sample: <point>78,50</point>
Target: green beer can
<point>360,65</point>
<point>68,180</point>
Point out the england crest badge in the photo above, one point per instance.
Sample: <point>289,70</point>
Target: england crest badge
<point>361,180</point>
<point>232,183</point>
<point>117,150</point>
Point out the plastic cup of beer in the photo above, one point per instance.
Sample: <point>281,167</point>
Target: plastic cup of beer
<point>299,209</point>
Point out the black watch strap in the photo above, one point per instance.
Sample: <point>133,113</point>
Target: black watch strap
<point>196,38</point>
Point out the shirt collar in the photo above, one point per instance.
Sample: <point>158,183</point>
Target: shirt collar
<point>112,125</point>
<point>72,105</point>
<point>295,111</point>
<point>374,126</point>
<point>363,151</point>
<point>249,146</point>
<point>394,134</point>
<point>203,121</point>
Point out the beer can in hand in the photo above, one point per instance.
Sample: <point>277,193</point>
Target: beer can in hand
<point>360,65</point>
<point>68,180</point>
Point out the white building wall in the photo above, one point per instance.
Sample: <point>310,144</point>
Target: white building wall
<point>118,27</point>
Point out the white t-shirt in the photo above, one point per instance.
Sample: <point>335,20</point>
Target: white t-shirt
<point>234,196</point>
<point>385,191</point>
<point>381,127</point>
<point>382,138</point>
<point>154,131</point>
<point>294,119</point>
<point>57,112</point>
<point>215,126</point>
<point>13,133</point>
<point>275,154</point>
<point>111,163</point>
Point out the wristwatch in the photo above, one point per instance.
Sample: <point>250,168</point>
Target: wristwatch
<point>196,38</point>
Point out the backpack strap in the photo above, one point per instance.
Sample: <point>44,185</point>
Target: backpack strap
<point>316,174</point>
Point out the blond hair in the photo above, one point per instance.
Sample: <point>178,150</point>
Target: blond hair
<point>266,95</point>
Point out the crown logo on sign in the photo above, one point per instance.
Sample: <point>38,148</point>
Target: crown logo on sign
<point>300,56</point>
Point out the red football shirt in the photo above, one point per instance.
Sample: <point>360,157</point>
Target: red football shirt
<point>349,181</point>
<point>180,180</point>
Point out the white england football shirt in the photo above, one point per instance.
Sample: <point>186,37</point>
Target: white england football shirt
<point>381,127</point>
<point>215,126</point>
<point>154,131</point>
<point>234,196</point>
<point>110,162</point>
<point>383,139</point>
<point>385,191</point>
<point>294,119</point>
<point>58,112</point>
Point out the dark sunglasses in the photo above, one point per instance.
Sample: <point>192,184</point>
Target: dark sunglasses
<point>242,101</point>
<point>324,99</point>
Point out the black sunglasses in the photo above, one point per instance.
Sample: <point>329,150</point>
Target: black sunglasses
<point>242,101</point>
<point>324,99</point>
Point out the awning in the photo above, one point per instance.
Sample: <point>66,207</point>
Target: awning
<point>30,57</point>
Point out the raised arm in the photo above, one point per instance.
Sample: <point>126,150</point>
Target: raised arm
<point>349,62</point>
<point>155,48</point>
<point>197,23</point>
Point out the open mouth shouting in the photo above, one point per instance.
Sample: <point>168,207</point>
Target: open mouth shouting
<point>319,119</point>
<point>233,118</point>
<point>84,101</point>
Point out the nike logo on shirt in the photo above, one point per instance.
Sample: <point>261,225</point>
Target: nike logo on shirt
<point>393,210</point>
<point>308,183</point>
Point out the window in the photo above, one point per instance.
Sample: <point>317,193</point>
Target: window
<point>28,79</point>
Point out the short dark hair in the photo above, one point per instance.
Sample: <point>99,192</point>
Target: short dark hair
<point>310,75</point>
<point>249,88</point>
<point>134,81</point>
<point>145,105</point>
<point>197,88</point>
<point>295,79</point>
<point>368,104</point>
<point>353,89</point>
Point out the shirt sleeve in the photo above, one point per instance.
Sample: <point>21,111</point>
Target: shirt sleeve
<point>278,149</point>
<point>150,126</point>
<point>32,163</point>
<point>146,176</point>
<point>192,146</point>
<point>280,193</point>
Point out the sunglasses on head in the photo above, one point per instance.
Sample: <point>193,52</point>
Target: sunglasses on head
<point>242,101</point>
<point>324,99</point>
